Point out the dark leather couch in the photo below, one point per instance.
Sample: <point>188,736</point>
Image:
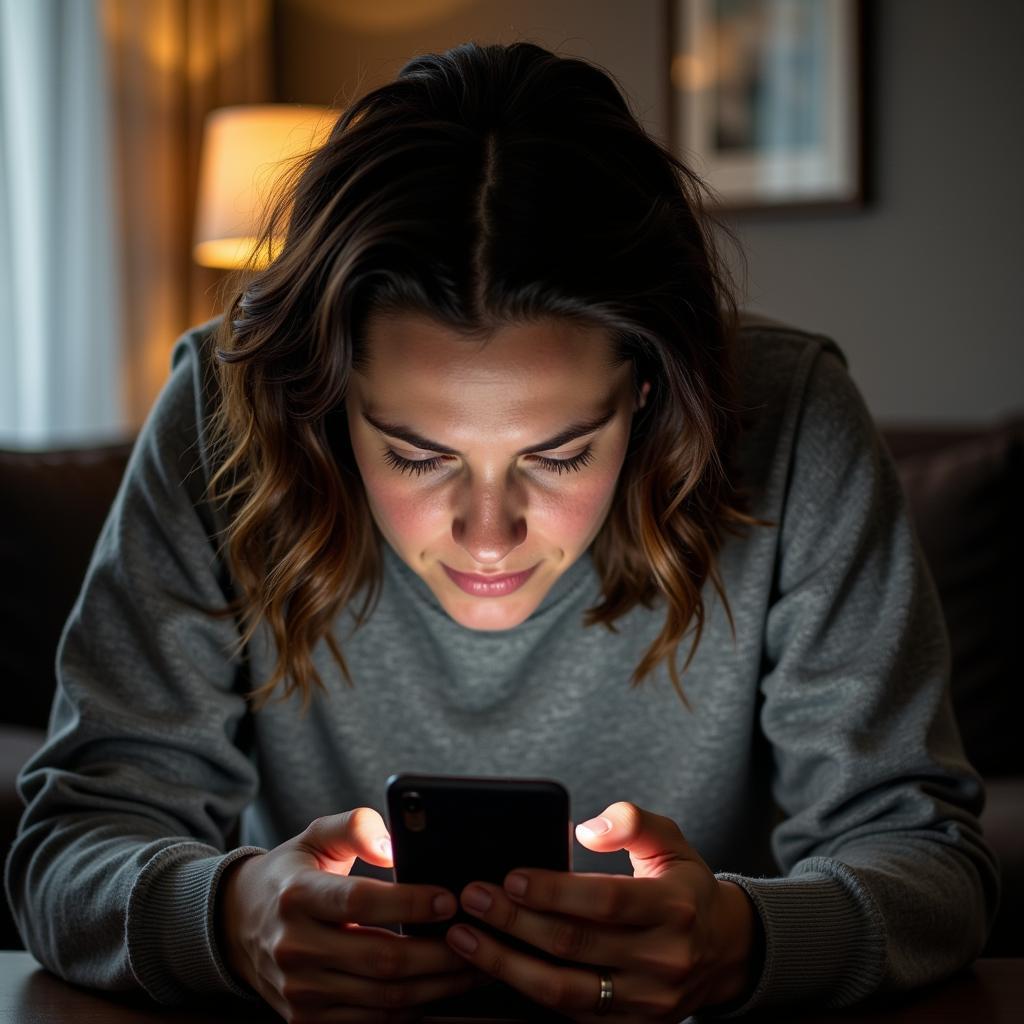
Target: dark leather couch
<point>965,490</point>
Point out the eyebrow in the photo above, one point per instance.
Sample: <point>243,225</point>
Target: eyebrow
<point>571,433</point>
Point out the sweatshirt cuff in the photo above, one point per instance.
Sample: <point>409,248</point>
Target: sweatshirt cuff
<point>824,939</point>
<point>170,928</point>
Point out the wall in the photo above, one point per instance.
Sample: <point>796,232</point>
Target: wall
<point>919,288</point>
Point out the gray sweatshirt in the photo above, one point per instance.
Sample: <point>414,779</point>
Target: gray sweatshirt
<point>821,769</point>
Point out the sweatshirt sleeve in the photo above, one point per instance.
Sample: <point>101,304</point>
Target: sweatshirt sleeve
<point>129,803</point>
<point>887,883</point>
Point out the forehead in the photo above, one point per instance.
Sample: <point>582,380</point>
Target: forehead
<point>411,353</point>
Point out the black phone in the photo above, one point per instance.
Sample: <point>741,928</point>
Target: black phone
<point>450,830</point>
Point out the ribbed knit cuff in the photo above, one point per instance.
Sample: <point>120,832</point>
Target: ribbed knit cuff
<point>170,929</point>
<point>824,938</point>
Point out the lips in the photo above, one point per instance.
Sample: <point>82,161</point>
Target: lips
<point>488,586</point>
<point>490,577</point>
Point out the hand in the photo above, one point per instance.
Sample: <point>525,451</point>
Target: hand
<point>297,928</point>
<point>673,938</point>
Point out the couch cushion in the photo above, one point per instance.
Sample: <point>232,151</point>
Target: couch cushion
<point>965,495</point>
<point>54,504</point>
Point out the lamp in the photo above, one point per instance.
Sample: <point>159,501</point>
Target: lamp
<point>245,152</point>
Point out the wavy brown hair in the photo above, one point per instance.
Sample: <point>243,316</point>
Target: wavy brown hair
<point>486,185</point>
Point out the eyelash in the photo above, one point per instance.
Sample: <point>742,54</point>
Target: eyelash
<point>418,466</point>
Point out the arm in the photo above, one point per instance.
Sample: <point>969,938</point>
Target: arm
<point>888,884</point>
<point>113,874</point>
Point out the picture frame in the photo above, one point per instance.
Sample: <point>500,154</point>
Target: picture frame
<point>766,101</point>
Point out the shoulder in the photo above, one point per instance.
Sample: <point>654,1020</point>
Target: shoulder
<point>806,373</point>
<point>193,361</point>
<point>171,448</point>
<point>795,395</point>
<point>774,358</point>
<point>183,408</point>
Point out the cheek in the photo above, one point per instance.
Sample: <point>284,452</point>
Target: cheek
<point>392,500</point>
<point>405,511</point>
<point>575,509</point>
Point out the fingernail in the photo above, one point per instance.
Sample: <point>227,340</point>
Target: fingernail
<point>477,899</point>
<point>384,845</point>
<point>515,885</point>
<point>595,827</point>
<point>463,940</point>
<point>444,904</point>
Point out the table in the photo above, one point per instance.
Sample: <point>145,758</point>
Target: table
<point>989,992</point>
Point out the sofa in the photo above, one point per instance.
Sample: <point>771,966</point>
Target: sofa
<point>964,487</point>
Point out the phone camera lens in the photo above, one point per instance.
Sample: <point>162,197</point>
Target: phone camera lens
<point>412,803</point>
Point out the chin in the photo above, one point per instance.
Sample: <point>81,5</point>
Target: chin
<point>488,613</point>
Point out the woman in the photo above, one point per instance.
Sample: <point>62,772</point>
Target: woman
<point>498,340</point>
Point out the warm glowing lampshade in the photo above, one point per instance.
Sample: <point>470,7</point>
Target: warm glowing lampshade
<point>245,151</point>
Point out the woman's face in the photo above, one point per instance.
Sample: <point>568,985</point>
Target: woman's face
<point>475,425</point>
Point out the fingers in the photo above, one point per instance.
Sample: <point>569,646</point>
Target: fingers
<point>317,1000</point>
<point>359,973</point>
<point>654,842</point>
<point>569,990</point>
<point>373,952</point>
<point>570,938</point>
<point>344,899</point>
<point>608,899</point>
<point>337,839</point>
<point>323,989</point>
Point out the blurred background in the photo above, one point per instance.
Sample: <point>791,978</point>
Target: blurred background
<point>105,121</point>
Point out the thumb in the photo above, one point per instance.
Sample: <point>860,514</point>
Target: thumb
<point>335,840</point>
<point>654,842</point>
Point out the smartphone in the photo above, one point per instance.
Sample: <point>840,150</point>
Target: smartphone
<point>450,830</point>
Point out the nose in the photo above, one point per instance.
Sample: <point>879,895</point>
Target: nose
<point>491,523</point>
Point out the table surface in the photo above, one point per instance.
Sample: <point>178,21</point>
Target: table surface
<point>989,992</point>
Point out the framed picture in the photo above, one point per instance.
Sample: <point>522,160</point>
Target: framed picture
<point>767,100</point>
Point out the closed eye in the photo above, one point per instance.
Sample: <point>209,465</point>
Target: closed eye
<point>419,466</point>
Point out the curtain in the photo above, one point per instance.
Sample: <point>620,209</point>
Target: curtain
<point>59,273</point>
<point>170,63</point>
